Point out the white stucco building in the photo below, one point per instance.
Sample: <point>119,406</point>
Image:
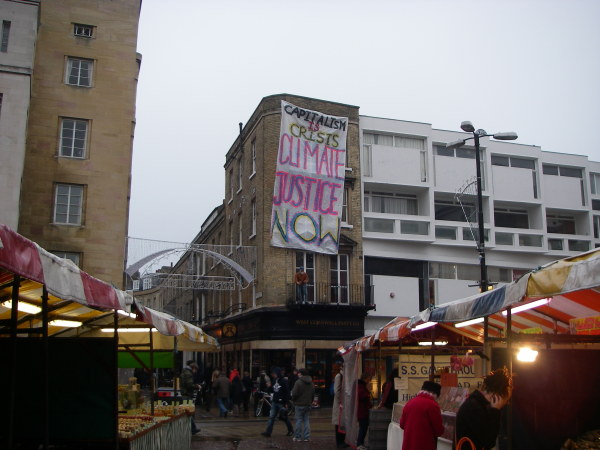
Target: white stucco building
<point>418,246</point>
<point>18,22</point>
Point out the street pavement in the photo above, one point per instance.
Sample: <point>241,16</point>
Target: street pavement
<point>243,433</point>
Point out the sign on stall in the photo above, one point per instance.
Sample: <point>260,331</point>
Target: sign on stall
<point>415,370</point>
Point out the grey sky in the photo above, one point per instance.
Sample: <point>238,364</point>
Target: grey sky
<point>526,66</point>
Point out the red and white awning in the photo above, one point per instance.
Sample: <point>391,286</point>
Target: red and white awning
<point>62,278</point>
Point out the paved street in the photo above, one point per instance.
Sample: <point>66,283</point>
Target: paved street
<point>244,432</point>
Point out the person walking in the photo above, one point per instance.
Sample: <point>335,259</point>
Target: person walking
<point>303,393</point>
<point>364,403</point>
<point>478,418</point>
<point>421,419</point>
<point>237,393</point>
<point>188,386</point>
<point>281,398</point>
<point>247,389</point>
<point>301,279</point>
<point>222,389</point>
<point>337,409</point>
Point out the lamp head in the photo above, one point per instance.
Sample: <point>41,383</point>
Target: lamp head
<point>467,126</point>
<point>506,136</point>
<point>455,144</point>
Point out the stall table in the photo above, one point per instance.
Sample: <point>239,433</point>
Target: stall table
<point>166,434</point>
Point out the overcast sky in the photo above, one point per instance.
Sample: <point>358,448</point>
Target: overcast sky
<point>527,66</point>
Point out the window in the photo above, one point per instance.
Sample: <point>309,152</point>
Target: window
<point>1,96</point>
<point>81,30</point>
<point>68,202</point>
<point>146,283</point>
<point>595,182</point>
<point>307,260</point>
<point>5,34</point>
<point>73,138</point>
<point>573,172</point>
<point>339,279</point>
<point>596,221</point>
<point>240,237</point>
<point>345,205</point>
<point>449,210</point>
<point>253,218</point>
<point>596,205</point>
<point>578,246</point>
<point>367,167</point>
<point>388,203</point>
<point>394,141</point>
<point>231,184</point>
<point>555,244</point>
<point>445,233</point>
<point>560,224</point>
<point>68,255</point>
<point>463,152</point>
<point>79,72</point>
<point>253,158</point>
<point>240,172</point>
<point>379,225</point>
<point>503,161</point>
<point>513,161</point>
<point>511,218</point>
<point>441,150</point>
<point>411,227</point>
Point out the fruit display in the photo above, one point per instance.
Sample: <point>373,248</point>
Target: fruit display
<point>588,440</point>
<point>130,425</point>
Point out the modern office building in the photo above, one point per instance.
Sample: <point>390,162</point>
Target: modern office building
<point>420,223</point>
<point>19,20</point>
<point>74,192</point>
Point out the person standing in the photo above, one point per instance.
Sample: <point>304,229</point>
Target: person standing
<point>237,392</point>
<point>301,280</point>
<point>421,419</point>
<point>188,386</point>
<point>337,409</point>
<point>281,398</point>
<point>364,403</point>
<point>222,389</point>
<point>264,385</point>
<point>247,389</point>
<point>303,393</point>
<point>389,395</point>
<point>478,418</point>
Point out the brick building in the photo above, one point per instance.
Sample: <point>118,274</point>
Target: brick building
<point>260,324</point>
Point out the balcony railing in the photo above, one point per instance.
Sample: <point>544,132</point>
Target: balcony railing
<point>326,294</point>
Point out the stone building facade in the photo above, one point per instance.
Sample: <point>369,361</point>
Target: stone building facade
<point>260,324</point>
<point>77,168</point>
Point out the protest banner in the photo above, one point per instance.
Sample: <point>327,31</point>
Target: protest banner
<point>309,180</point>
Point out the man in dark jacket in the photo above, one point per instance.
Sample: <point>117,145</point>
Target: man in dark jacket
<point>422,419</point>
<point>303,393</point>
<point>188,386</point>
<point>281,398</point>
<point>478,418</point>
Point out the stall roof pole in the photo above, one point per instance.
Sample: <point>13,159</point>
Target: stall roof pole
<point>46,364</point>
<point>152,379</point>
<point>13,372</point>
<point>116,338</point>
<point>510,372</point>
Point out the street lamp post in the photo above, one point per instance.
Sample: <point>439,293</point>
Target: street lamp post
<point>508,136</point>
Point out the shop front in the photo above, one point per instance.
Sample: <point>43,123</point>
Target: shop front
<point>262,339</point>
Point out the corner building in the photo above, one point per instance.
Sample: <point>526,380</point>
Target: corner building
<point>262,325</point>
<point>74,198</point>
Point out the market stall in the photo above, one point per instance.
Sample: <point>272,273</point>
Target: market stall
<point>60,361</point>
<point>553,313</point>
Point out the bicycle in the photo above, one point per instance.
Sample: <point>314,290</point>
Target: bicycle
<point>268,399</point>
<point>265,398</point>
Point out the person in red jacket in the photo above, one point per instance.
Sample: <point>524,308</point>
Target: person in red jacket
<point>421,419</point>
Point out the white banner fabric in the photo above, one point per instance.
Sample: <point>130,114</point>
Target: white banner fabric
<point>309,181</point>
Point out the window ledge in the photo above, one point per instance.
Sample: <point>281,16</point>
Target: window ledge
<point>229,201</point>
<point>238,191</point>
<point>347,226</point>
<point>252,175</point>
<point>252,236</point>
